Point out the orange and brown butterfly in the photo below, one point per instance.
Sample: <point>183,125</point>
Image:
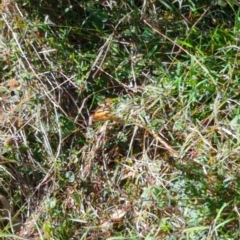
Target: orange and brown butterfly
<point>104,112</point>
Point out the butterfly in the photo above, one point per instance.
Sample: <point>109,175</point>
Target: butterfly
<point>104,112</point>
<point>101,114</point>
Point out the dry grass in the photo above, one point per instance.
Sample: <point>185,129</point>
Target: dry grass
<point>121,130</point>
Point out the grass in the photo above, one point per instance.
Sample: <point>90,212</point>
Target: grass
<point>120,120</point>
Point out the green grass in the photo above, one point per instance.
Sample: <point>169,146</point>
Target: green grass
<point>164,163</point>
